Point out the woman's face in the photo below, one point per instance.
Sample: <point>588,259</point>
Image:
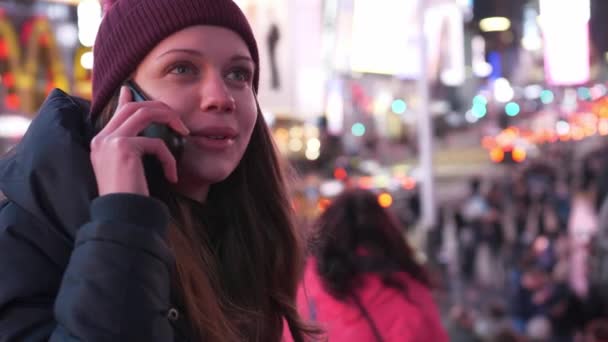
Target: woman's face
<point>205,74</point>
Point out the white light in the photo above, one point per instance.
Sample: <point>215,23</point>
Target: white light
<point>531,40</point>
<point>598,91</point>
<point>470,117</point>
<point>67,35</point>
<point>242,4</point>
<point>311,131</point>
<point>57,12</point>
<point>439,106</point>
<point>335,112</point>
<point>392,21</point>
<point>331,188</point>
<point>295,145</point>
<point>89,18</point>
<point>296,132</point>
<point>69,2</point>
<point>269,117</point>
<point>443,23</point>
<point>494,24</point>
<point>565,26</point>
<point>13,126</point>
<point>481,68</point>
<point>86,60</point>
<point>451,77</point>
<point>562,127</point>
<point>454,119</point>
<point>569,100</point>
<point>532,92</point>
<point>560,12</point>
<point>312,155</point>
<point>382,102</point>
<point>503,91</point>
<point>313,144</point>
<point>532,43</point>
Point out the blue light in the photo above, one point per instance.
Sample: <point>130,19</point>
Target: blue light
<point>512,109</point>
<point>546,96</point>
<point>480,100</point>
<point>358,129</point>
<point>399,106</point>
<point>479,111</point>
<point>584,93</point>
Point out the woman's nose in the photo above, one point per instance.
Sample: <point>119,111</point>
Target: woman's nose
<point>216,97</point>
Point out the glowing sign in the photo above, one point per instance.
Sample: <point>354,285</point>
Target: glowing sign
<point>565,24</point>
<point>38,34</point>
<point>385,39</point>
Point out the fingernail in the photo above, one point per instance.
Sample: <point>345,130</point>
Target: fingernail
<point>186,131</point>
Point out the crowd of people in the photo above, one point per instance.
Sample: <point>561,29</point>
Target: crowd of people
<point>532,251</point>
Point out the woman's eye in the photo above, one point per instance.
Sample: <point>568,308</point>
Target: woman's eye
<point>183,69</point>
<point>239,74</point>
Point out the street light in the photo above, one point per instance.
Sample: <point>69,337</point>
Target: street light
<point>494,24</point>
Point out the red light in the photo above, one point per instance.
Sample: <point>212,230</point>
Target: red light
<point>3,49</point>
<point>12,101</point>
<point>44,40</point>
<point>409,183</point>
<point>323,204</point>
<point>340,173</point>
<point>9,80</point>
<point>26,31</point>
<point>49,87</point>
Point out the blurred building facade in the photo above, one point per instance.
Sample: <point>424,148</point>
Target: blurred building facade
<point>339,77</point>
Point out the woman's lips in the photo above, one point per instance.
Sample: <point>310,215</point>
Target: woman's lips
<point>215,137</point>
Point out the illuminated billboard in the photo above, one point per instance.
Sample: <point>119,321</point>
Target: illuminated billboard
<point>565,27</point>
<point>384,38</point>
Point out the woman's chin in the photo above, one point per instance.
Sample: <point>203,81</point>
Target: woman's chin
<point>214,175</point>
<point>202,178</point>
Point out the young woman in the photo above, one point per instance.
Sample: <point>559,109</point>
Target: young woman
<point>362,282</point>
<point>97,246</point>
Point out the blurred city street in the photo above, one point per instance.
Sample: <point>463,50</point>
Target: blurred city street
<point>481,125</point>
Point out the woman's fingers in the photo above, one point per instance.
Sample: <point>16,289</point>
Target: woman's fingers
<point>143,117</point>
<point>158,148</point>
<point>139,115</point>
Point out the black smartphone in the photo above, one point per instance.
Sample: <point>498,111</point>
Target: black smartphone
<point>174,141</point>
<point>157,183</point>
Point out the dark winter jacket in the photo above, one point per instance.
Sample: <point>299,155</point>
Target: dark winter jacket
<point>75,266</point>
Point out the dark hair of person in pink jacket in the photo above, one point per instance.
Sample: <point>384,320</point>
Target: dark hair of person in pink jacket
<point>362,281</point>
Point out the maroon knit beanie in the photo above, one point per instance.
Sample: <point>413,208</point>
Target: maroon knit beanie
<point>130,29</point>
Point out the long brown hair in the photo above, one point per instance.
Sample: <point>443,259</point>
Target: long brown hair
<point>239,255</point>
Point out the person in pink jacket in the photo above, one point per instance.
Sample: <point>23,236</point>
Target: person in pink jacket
<point>361,281</point>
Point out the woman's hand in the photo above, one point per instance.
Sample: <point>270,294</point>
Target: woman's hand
<point>117,151</point>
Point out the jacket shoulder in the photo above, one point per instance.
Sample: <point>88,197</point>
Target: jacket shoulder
<point>58,99</point>
<point>23,233</point>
